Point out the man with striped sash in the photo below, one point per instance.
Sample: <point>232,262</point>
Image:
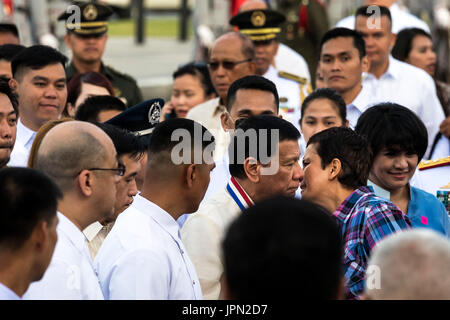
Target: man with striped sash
<point>264,156</point>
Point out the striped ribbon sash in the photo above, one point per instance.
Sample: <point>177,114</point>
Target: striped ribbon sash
<point>238,194</point>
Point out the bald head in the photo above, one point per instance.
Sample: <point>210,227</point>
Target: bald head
<point>412,264</point>
<point>253,5</point>
<point>71,147</point>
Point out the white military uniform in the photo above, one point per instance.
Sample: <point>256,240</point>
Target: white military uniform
<point>203,232</point>
<point>70,275</point>
<point>400,20</point>
<point>291,61</point>
<point>292,90</point>
<point>143,257</point>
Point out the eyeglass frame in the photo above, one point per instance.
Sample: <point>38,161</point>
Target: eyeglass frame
<point>121,169</point>
<point>231,64</point>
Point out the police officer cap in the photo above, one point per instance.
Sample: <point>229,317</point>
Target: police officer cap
<point>92,19</point>
<point>259,25</point>
<point>140,119</point>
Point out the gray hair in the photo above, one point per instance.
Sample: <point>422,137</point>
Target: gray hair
<point>413,264</point>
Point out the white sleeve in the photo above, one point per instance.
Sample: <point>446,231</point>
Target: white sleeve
<point>202,237</point>
<point>141,274</point>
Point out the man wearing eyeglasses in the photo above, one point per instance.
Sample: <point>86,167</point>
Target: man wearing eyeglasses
<point>262,26</point>
<point>231,58</point>
<point>81,159</point>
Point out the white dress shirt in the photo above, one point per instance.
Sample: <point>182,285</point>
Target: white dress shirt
<point>291,61</point>
<point>202,234</point>
<point>22,147</point>
<point>7,294</point>
<point>70,275</point>
<point>361,103</point>
<point>400,20</point>
<point>143,257</point>
<point>208,114</point>
<point>412,88</point>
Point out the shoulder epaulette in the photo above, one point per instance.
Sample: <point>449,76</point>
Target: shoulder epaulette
<point>428,164</point>
<point>291,76</point>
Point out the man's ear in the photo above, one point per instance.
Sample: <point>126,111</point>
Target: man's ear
<point>191,174</point>
<point>334,169</point>
<point>226,122</point>
<point>252,169</point>
<point>40,235</point>
<point>365,63</point>
<point>252,67</point>
<point>85,181</point>
<point>393,39</point>
<point>67,41</point>
<point>70,109</point>
<point>13,84</point>
<point>224,289</point>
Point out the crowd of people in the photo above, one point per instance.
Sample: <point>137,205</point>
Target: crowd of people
<point>267,174</point>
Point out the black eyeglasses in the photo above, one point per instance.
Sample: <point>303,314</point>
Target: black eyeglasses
<point>120,170</point>
<point>229,65</point>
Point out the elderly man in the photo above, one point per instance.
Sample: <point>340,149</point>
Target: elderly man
<point>336,167</point>
<point>264,156</point>
<point>27,230</point>
<point>231,58</point>
<point>392,80</point>
<point>143,256</point>
<point>411,265</point>
<point>8,122</point>
<point>40,82</point>
<point>82,161</point>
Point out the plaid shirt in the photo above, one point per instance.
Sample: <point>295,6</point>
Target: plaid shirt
<point>364,219</point>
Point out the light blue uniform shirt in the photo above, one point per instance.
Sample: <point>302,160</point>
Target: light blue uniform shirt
<point>424,209</point>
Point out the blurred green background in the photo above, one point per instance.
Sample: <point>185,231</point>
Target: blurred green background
<point>155,27</point>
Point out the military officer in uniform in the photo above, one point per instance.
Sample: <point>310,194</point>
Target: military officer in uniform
<point>87,41</point>
<point>262,27</point>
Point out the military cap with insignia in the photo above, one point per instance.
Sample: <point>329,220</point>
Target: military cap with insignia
<point>93,20</point>
<point>259,25</point>
<point>140,119</point>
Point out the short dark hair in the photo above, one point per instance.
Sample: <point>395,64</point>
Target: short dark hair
<point>92,77</point>
<point>27,197</point>
<point>403,43</point>
<point>9,51</point>
<point>358,41</point>
<point>200,71</point>
<point>350,148</point>
<point>365,12</point>
<point>262,126</point>
<point>392,126</point>
<point>6,89</point>
<point>92,106</point>
<point>9,28</point>
<point>35,58</point>
<point>283,245</point>
<point>124,141</point>
<point>162,138</point>
<point>248,83</point>
<point>329,94</point>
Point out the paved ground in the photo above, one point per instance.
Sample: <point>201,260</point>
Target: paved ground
<point>151,64</point>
